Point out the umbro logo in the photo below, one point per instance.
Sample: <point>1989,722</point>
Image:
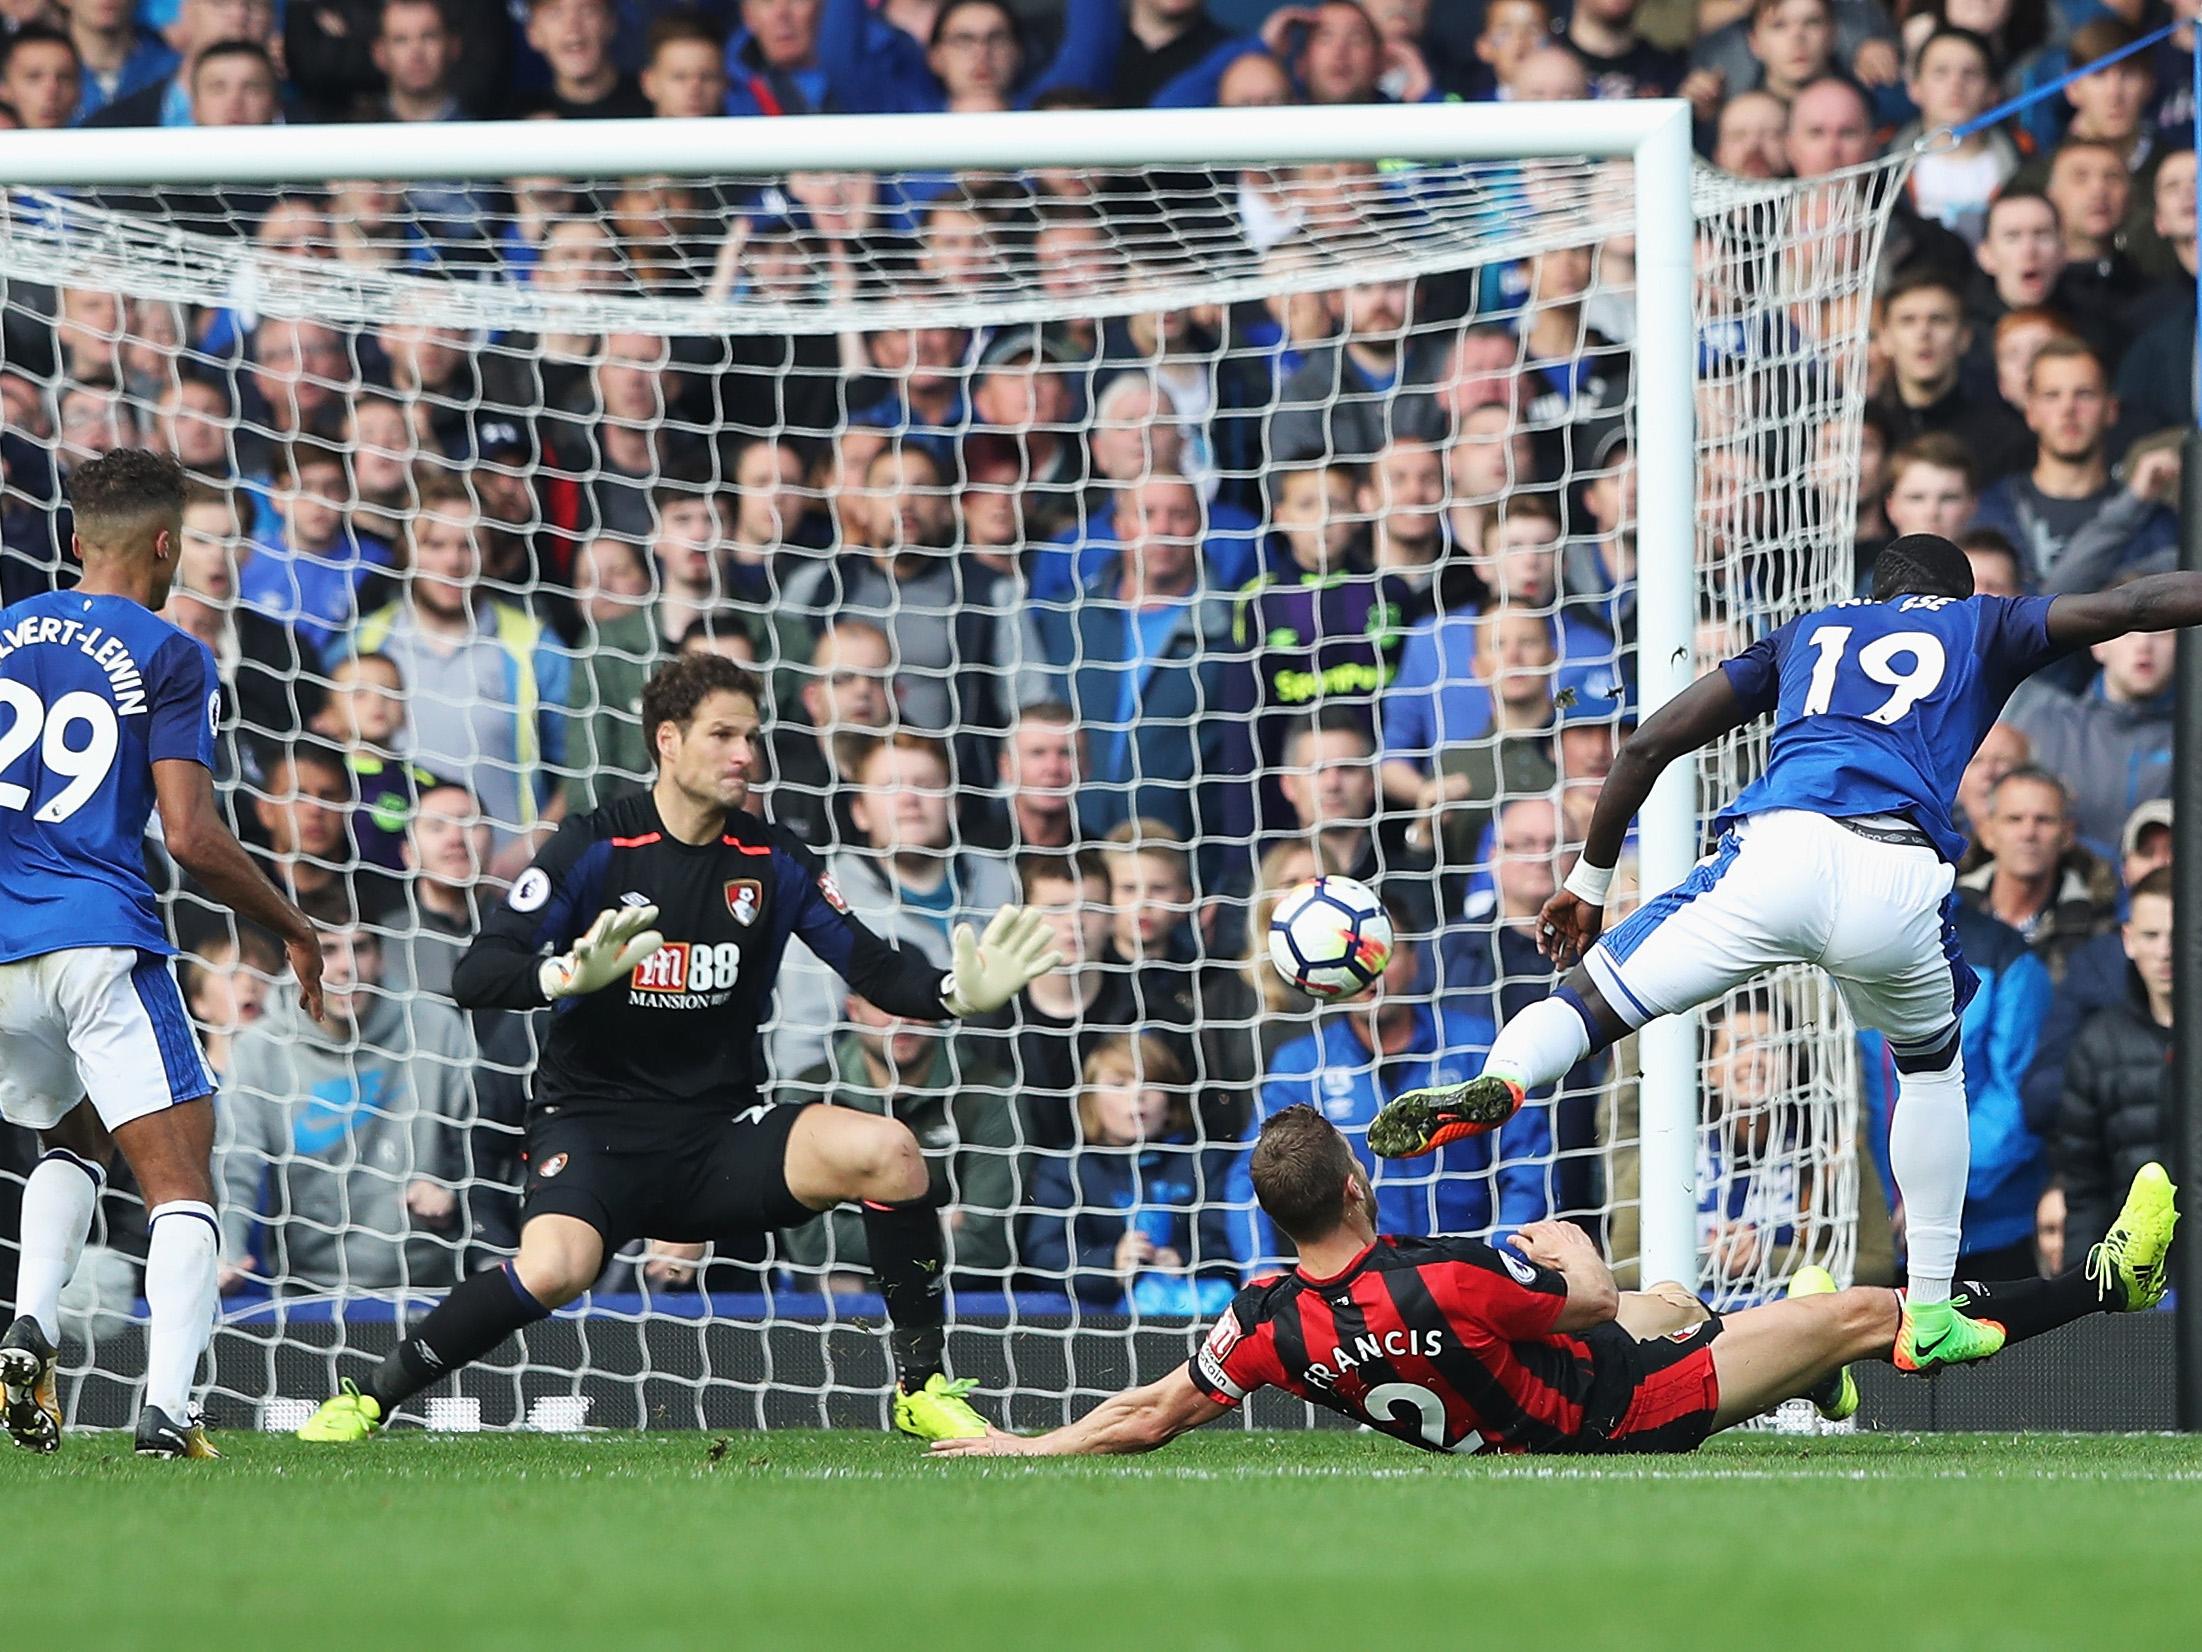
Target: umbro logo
<point>631,898</point>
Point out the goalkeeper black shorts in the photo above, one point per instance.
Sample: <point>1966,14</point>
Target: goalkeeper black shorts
<point>696,1177</point>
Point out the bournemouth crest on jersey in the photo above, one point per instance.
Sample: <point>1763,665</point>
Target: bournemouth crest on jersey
<point>744,900</point>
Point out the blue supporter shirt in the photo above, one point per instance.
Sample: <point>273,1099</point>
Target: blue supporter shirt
<point>149,59</point>
<point>314,591</point>
<point>94,690</point>
<point>1147,633</point>
<point>1438,698</point>
<point>1071,562</point>
<point>1878,706</point>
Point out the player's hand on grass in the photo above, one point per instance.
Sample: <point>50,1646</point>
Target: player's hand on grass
<point>1568,927</point>
<point>619,939</point>
<point>995,1442</point>
<point>988,970</point>
<point>304,956</point>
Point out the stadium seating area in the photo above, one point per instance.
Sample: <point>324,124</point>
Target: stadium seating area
<point>1139,620</point>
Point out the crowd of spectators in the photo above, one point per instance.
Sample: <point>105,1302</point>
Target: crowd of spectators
<point>1139,618</point>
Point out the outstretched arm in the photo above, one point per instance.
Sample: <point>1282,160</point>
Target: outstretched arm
<point>1701,713</point>
<point>1704,711</point>
<point>988,970</point>
<point>1139,1419</point>
<point>2157,602</point>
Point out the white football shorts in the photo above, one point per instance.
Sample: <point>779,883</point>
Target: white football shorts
<point>106,1022</point>
<point>1792,887</point>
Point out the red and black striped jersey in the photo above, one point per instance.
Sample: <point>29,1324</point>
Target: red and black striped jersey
<point>1444,1343</point>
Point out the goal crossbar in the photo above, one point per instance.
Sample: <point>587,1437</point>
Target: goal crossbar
<point>462,150</point>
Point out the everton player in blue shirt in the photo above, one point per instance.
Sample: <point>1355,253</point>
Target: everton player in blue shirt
<point>106,712</point>
<point>1841,854</point>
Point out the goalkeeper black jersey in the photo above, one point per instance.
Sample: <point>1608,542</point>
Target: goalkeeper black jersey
<point>682,1029</point>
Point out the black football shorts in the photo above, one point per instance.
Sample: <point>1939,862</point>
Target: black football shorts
<point>712,1176</point>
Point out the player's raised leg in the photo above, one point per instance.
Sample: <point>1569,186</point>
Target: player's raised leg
<point>1532,1050</point>
<point>1742,911</point>
<point>560,1257</point>
<point>837,1156</point>
<point>60,1197</point>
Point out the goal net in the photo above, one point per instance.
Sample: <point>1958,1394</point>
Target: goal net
<point>1131,540</point>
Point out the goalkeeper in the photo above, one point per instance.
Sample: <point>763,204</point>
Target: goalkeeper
<point>654,928</point>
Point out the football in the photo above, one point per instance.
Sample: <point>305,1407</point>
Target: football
<point>1330,937</point>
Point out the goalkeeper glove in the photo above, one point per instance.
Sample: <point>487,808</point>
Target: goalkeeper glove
<point>619,939</point>
<point>991,969</point>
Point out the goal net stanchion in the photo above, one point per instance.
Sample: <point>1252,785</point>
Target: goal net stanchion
<point>629,323</point>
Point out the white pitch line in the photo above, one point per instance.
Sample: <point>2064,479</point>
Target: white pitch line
<point>994,1468</point>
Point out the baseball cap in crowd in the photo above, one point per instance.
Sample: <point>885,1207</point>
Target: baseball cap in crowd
<point>502,439</point>
<point>1612,442</point>
<point>2155,812</point>
<point>1021,343</point>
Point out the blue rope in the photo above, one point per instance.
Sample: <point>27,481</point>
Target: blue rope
<point>2027,99</point>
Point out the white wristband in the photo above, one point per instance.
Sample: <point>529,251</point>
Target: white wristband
<point>1589,883</point>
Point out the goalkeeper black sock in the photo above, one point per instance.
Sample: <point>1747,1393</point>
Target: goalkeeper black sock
<point>467,1324</point>
<point>2028,1307</point>
<point>904,1240</point>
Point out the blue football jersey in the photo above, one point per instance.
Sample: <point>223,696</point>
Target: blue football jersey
<point>1878,706</point>
<point>94,690</point>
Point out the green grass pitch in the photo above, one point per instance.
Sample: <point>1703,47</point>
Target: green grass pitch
<point>1227,1540</point>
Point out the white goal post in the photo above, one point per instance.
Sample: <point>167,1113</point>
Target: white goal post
<point>1665,200</point>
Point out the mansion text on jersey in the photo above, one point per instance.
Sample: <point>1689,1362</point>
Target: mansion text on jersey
<point>110,654</point>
